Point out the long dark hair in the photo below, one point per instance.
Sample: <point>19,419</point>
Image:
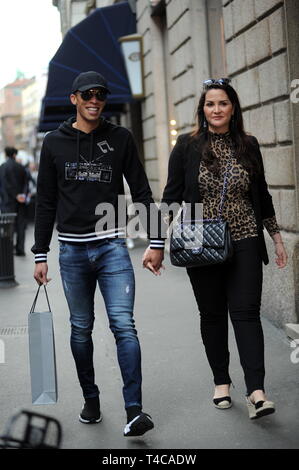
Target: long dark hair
<point>244,150</point>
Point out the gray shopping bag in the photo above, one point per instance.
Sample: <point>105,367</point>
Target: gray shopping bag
<point>42,355</point>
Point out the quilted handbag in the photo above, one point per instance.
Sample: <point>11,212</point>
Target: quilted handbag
<point>202,242</point>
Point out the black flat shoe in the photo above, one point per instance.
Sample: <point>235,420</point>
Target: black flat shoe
<point>260,408</point>
<point>222,403</point>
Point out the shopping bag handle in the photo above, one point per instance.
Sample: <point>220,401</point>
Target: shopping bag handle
<point>35,300</point>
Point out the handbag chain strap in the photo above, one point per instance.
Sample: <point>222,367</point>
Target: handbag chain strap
<point>35,299</point>
<point>221,204</point>
<point>224,190</point>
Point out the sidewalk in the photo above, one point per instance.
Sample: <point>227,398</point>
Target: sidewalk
<point>177,383</point>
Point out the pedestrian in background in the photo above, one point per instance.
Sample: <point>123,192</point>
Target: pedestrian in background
<point>13,184</point>
<point>82,164</point>
<point>196,173</point>
<point>31,171</point>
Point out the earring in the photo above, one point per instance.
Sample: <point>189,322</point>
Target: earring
<point>205,124</point>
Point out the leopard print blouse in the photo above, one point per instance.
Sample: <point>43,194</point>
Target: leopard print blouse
<point>237,207</point>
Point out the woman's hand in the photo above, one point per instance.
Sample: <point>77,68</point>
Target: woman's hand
<point>282,257</point>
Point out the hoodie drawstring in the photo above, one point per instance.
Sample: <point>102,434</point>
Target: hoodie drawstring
<point>90,153</point>
<point>78,154</point>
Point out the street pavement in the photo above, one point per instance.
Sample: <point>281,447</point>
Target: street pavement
<point>177,382</point>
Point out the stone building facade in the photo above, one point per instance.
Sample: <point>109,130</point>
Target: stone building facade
<point>74,11</point>
<point>260,40</point>
<point>32,95</point>
<point>254,43</point>
<point>11,113</point>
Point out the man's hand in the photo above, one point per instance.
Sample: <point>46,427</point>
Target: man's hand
<point>152,260</point>
<point>40,273</point>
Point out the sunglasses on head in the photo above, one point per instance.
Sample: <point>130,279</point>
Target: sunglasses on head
<point>100,95</point>
<point>212,81</point>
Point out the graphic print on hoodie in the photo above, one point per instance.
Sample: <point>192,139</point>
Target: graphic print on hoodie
<point>77,172</point>
<point>92,170</point>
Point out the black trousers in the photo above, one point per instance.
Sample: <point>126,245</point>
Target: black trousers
<point>235,287</point>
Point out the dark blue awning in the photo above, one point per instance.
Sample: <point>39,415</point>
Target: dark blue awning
<point>90,45</point>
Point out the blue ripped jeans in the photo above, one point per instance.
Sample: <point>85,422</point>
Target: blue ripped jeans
<point>108,263</point>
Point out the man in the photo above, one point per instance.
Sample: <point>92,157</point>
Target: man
<point>82,165</point>
<point>13,184</point>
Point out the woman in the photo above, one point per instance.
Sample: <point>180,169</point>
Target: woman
<point>196,172</point>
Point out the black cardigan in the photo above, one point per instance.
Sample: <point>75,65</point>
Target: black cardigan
<point>182,184</point>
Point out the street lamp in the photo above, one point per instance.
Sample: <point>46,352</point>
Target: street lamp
<point>131,47</point>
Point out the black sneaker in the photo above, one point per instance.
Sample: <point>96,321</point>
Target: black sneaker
<point>91,412</point>
<point>139,425</point>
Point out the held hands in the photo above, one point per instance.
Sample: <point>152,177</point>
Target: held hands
<point>21,198</point>
<point>152,260</point>
<point>40,273</point>
<point>281,254</point>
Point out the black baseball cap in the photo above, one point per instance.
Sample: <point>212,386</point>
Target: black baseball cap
<point>87,80</point>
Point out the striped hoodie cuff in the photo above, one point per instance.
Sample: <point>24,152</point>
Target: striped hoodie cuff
<point>157,244</point>
<point>41,258</point>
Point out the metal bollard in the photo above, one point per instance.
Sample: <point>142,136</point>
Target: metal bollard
<point>7,275</point>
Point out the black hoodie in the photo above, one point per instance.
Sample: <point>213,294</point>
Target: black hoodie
<point>77,172</point>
